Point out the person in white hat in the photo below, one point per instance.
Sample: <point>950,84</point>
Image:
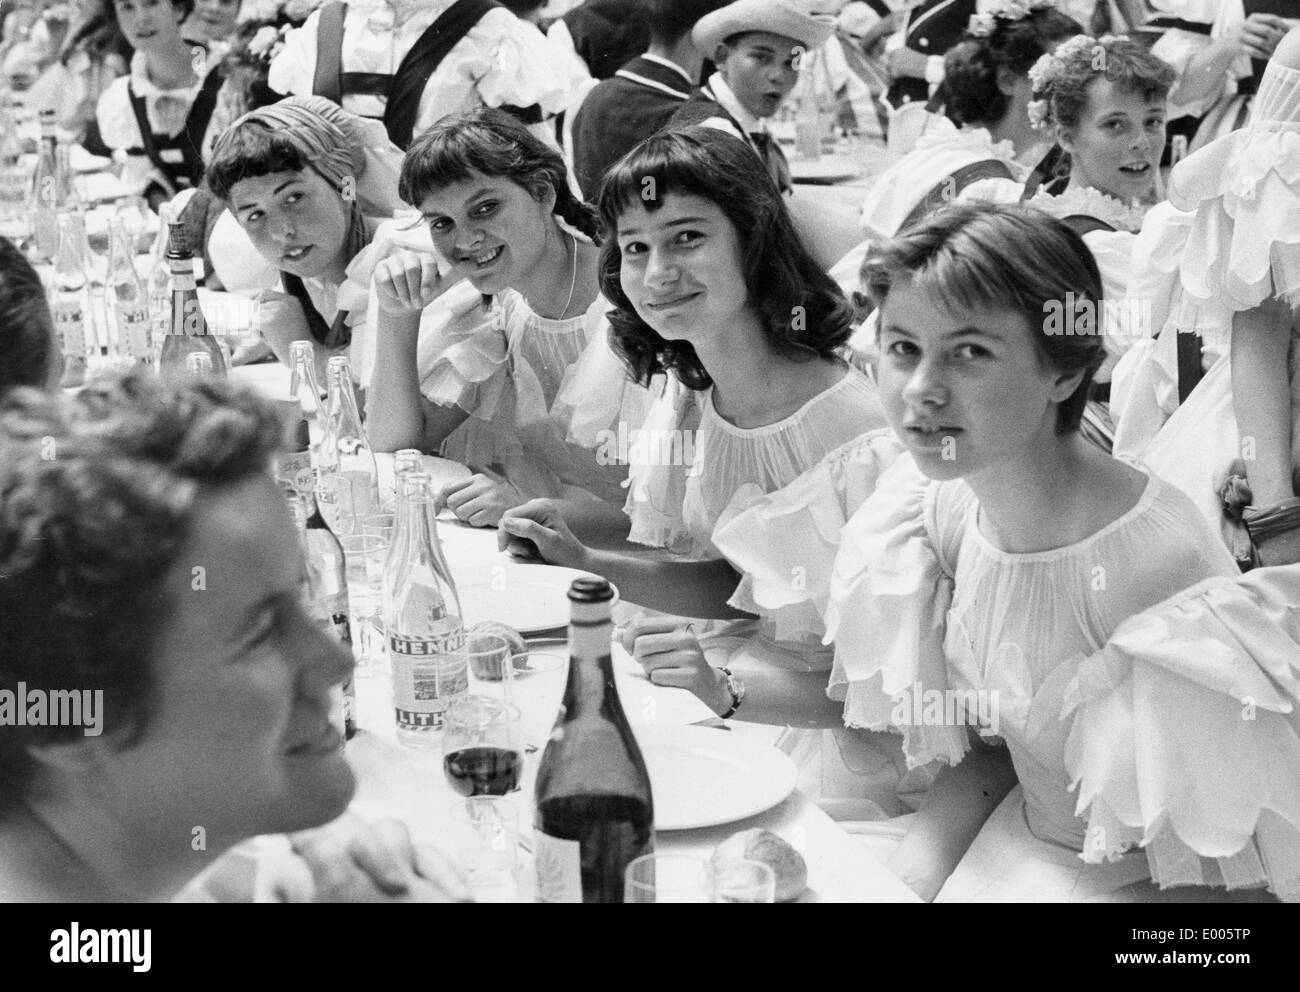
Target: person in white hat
<point>757,46</point>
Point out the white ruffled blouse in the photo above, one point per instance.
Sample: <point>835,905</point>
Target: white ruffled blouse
<point>921,601</point>
<point>501,61</point>
<point>546,397</point>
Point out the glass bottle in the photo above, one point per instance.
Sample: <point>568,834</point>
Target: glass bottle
<point>70,305</point>
<point>125,299</point>
<point>302,383</point>
<point>15,180</point>
<point>594,809</point>
<point>426,638</point>
<point>187,332</point>
<point>347,481</point>
<point>325,591</point>
<point>44,199</point>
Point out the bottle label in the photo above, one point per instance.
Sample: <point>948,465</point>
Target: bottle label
<point>427,673</point>
<point>134,335</point>
<point>70,323</point>
<point>559,868</point>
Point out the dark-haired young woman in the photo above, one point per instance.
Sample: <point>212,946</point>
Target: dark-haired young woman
<point>502,280</point>
<point>711,285</point>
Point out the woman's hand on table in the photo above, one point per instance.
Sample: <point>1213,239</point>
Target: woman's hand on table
<point>351,860</point>
<point>670,653</point>
<point>536,528</point>
<point>408,281</point>
<point>481,501</point>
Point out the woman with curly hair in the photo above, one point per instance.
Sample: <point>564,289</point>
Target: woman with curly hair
<point>490,322</point>
<point>761,418</point>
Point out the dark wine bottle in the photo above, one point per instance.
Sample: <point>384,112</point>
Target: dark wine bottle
<point>594,810</point>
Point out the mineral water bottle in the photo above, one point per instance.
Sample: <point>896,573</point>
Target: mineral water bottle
<point>15,179</point>
<point>302,383</point>
<point>594,811</point>
<point>426,639</point>
<point>348,476</point>
<point>44,199</point>
<point>70,306</point>
<point>126,301</point>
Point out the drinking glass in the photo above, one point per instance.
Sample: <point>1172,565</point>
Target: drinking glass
<point>483,840</point>
<point>366,555</point>
<point>482,746</point>
<point>537,688</point>
<point>666,878</point>
<point>741,880</point>
<point>487,655</point>
<point>380,525</point>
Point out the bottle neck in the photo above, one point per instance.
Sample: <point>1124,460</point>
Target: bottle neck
<point>590,688</point>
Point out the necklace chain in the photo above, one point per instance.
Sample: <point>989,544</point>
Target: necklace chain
<point>573,278</point>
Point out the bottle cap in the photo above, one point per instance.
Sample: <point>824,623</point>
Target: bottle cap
<point>591,591</point>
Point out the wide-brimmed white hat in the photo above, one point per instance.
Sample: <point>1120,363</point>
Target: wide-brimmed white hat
<point>789,18</point>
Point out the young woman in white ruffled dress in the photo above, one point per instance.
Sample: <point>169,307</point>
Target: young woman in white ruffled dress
<point>985,130</point>
<point>1223,261</point>
<point>712,287</point>
<point>489,323</point>
<point>975,593</point>
<point>1103,100</point>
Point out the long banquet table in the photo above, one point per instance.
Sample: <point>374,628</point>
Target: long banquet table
<point>408,783</point>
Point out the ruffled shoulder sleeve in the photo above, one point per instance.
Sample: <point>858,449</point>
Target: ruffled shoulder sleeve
<point>293,70</point>
<point>784,543</point>
<point>1183,736</point>
<point>657,486</point>
<point>1244,245</point>
<point>993,191</point>
<point>887,613</point>
<point>519,66</point>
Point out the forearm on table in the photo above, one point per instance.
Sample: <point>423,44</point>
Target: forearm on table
<point>788,698</point>
<point>683,588</point>
<point>596,523</point>
<point>396,410</point>
<point>959,804</point>
<point>1262,399</point>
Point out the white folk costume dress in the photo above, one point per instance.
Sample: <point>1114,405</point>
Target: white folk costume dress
<point>771,501</point>
<point>545,397</point>
<point>178,122</point>
<point>921,602</point>
<point>499,62</point>
<point>1229,240</point>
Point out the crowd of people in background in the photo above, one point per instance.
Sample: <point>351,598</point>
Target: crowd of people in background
<point>1026,422</point>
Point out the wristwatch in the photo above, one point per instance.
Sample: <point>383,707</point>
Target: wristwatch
<point>737,690</point>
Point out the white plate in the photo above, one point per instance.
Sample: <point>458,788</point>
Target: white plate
<point>530,598</point>
<point>701,777</point>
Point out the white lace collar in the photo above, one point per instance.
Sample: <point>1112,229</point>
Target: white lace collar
<point>1092,202</point>
<point>975,138</point>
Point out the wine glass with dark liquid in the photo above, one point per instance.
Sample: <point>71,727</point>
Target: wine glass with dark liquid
<point>483,747</point>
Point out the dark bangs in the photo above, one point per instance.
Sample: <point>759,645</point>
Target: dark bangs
<point>802,310</point>
<point>489,142</point>
<point>248,151</point>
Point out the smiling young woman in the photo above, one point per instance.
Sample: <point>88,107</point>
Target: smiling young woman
<point>763,441</point>
<point>491,325</point>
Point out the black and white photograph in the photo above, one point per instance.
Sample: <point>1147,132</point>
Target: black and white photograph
<point>652,451</point>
